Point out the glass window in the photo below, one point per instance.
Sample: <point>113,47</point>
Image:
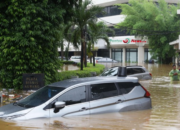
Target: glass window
<point>110,72</point>
<point>134,71</point>
<point>131,55</point>
<point>74,96</point>
<point>40,96</point>
<point>99,91</point>
<point>117,54</point>
<point>129,71</point>
<point>126,87</point>
<point>138,70</point>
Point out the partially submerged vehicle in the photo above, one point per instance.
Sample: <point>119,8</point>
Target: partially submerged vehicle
<point>132,71</point>
<point>81,96</point>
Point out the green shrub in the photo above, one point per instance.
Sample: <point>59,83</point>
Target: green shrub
<point>68,62</point>
<point>85,73</point>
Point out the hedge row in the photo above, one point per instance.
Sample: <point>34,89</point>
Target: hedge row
<point>68,62</point>
<point>85,73</point>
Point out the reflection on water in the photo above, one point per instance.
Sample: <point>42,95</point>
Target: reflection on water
<point>165,114</point>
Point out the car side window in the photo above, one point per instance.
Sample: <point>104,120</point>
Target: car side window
<point>126,87</point>
<point>138,70</point>
<point>99,91</point>
<point>74,96</point>
<point>129,71</point>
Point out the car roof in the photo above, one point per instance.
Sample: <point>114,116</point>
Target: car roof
<point>133,66</point>
<point>91,80</point>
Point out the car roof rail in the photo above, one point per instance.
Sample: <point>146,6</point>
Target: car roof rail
<point>128,66</point>
<point>122,72</point>
<point>134,66</point>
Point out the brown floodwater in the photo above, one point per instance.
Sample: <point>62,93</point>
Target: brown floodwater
<point>164,115</point>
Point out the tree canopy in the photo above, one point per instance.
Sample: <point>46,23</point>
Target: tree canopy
<point>156,20</point>
<point>84,15</point>
<point>29,31</point>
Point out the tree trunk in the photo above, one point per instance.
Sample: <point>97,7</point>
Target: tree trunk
<point>62,51</point>
<point>81,50</point>
<point>84,52</point>
<point>90,60</point>
<point>67,51</point>
<point>85,55</point>
<point>93,58</point>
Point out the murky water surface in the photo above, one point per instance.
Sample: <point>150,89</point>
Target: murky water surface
<point>165,114</point>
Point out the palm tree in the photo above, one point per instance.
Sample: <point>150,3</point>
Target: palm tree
<point>84,16</point>
<point>98,31</point>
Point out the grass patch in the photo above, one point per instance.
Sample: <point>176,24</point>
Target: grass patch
<point>86,72</point>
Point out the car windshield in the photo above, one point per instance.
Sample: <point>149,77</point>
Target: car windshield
<point>40,97</point>
<point>110,72</point>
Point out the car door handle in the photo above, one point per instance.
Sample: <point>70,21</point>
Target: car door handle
<point>119,101</point>
<point>83,109</point>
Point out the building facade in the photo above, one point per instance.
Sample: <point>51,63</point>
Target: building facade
<point>124,47</point>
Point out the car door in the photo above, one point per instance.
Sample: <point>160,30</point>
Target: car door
<point>104,98</point>
<point>133,94</point>
<point>76,103</point>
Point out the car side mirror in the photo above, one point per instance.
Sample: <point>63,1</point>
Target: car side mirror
<point>59,105</point>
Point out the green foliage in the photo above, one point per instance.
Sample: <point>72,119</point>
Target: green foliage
<point>85,73</point>
<point>84,15</point>
<point>68,62</point>
<point>29,35</point>
<point>157,22</point>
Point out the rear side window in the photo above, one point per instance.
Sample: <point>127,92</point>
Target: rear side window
<point>134,71</point>
<point>126,87</point>
<point>99,91</point>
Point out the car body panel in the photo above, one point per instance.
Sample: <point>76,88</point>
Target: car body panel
<point>106,60</point>
<point>106,105</point>
<point>133,100</point>
<point>71,110</point>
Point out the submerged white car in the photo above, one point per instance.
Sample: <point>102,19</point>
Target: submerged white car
<point>81,96</point>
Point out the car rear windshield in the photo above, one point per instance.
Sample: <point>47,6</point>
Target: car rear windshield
<point>110,72</point>
<point>40,96</point>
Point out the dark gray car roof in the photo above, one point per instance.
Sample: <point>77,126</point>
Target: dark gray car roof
<point>69,82</point>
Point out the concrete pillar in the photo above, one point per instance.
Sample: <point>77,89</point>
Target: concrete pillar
<point>124,56</point>
<point>140,55</point>
<point>176,60</point>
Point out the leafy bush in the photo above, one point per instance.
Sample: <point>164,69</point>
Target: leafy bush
<point>29,35</point>
<point>68,62</point>
<point>81,73</point>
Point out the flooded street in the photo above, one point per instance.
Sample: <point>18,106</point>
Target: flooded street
<point>165,114</point>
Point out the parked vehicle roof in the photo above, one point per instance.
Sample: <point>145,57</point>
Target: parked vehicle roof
<point>69,82</point>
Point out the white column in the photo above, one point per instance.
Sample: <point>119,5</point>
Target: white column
<point>140,55</point>
<point>176,60</point>
<point>124,56</point>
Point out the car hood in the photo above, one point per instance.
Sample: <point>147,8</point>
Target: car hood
<point>10,108</point>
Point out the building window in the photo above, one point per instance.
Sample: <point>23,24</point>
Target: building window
<point>116,54</point>
<point>103,52</point>
<point>147,55</point>
<point>131,55</point>
<point>118,32</point>
<point>110,10</point>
